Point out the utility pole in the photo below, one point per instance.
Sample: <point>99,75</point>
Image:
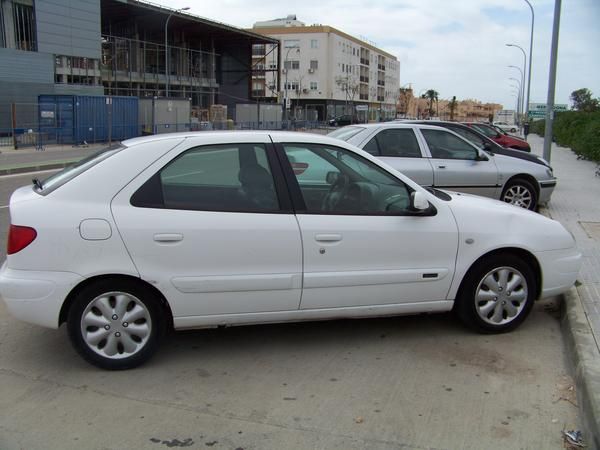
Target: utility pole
<point>552,82</point>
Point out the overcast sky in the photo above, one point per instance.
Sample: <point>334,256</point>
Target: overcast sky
<point>456,47</point>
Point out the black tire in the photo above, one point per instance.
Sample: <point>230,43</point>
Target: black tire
<point>513,130</point>
<point>520,192</point>
<point>473,310</point>
<point>93,304</point>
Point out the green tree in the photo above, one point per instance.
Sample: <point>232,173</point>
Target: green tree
<point>432,96</point>
<point>583,101</point>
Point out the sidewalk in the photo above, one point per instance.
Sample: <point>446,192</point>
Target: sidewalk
<point>576,204</point>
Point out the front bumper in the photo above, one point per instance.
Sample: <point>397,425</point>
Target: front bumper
<point>36,297</point>
<point>559,270</point>
<point>546,190</point>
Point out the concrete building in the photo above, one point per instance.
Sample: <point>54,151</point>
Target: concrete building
<point>114,47</point>
<point>468,110</point>
<point>324,72</point>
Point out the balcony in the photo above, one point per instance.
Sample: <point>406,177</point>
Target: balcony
<point>381,67</point>
<point>380,83</point>
<point>364,79</point>
<point>380,98</point>
<point>258,93</point>
<point>364,96</point>
<point>364,62</point>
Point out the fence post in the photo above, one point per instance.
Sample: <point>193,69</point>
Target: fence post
<point>13,113</point>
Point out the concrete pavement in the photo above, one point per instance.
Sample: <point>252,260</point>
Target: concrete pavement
<point>576,204</point>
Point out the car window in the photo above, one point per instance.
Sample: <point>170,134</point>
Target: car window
<point>444,145</point>
<point>400,142</point>
<point>337,181</point>
<point>235,178</point>
<point>470,136</point>
<point>372,147</point>
<point>489,132</point>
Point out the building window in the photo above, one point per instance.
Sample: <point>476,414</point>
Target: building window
<point>258,50</point>
<point>292,86</point>
<point>314,64</point>
<point>314,43</point>
<point>291,43</point>
<point>314,86</point>
<point>24,26</point>
<point>343,67</point>
<point>293,65</point>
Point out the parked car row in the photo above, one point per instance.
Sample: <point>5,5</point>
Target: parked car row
<point>196,230</point>
<point>446,158</point>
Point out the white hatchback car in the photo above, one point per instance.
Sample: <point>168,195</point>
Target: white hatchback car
<point>216,228</point>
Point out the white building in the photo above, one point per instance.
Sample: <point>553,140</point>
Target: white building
<point>324,72</point>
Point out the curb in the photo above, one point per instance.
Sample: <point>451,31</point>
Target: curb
<point>584,355</point>
<point>35,168</point>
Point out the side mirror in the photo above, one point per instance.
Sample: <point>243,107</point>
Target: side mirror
<point>487,146</point>
<point>481,157</point>
<point>418,201</point>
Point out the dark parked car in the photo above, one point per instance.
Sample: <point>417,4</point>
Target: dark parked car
<point>482,141</point>
<point>343,120</point>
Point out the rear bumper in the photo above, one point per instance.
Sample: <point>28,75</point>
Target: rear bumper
<point>559,270</point>
<point>36,297</point>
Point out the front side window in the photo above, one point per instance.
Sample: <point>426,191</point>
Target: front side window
<point>399,143</point>
<point>233,178</point>
<point>336,181</point>
<point>444,145</point>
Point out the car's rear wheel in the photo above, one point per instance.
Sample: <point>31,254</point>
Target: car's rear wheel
<point>497,294</point>
<point>520,192</point>
<point>115,324</point>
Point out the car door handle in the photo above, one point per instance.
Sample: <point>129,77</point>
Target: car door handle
<point>332,237</point>
<point>441,167</point>
<point>168,237</point>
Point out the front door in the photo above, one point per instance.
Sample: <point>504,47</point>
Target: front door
<point>457,166</point>
<point>362,245</point>
<point>209,227</point>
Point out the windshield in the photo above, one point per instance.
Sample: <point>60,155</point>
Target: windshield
<point>489,132</point>
<point>68,173</point>
<point>346,133</point>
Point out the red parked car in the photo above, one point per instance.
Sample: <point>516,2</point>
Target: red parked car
<point>501,137</point>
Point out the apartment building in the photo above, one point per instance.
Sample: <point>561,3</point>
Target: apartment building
<point>324,72</point>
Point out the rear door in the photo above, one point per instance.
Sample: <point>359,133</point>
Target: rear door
<point>211,226</point>
<point>399,148</point>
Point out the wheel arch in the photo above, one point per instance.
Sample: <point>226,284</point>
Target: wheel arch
<point>64,310</point>
<point>527,177</point>
<point>525,255</point>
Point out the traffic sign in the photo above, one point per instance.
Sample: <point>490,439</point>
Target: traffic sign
<point>538,110</point>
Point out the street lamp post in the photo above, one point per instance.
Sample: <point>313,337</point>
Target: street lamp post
<point>519,103</point>
<point>523,72</point>
<point>167,71</point>
<point>530,59</point>
<point>522,84</point>
<point>285,86</point>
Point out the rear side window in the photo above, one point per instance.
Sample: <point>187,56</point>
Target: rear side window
<point>67,174</point>
<point>400,142</point>
<point>232,178</point>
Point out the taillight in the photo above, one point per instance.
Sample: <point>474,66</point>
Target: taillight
<point>19,237</point>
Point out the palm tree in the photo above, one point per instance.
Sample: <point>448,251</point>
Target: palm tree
<point>432,96</point>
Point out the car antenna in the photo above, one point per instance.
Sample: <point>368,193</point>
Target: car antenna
<point>37,183</point>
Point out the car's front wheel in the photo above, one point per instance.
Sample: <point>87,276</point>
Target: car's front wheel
<point>520,192</point>
<point>497,294</point>
<point>115,324</point>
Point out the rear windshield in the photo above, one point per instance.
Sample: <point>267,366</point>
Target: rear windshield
<point>68,173</point>
<point>345,133</point>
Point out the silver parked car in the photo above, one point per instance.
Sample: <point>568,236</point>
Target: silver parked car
<point>437,157</point>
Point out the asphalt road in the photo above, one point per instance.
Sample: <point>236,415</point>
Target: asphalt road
<point>421,382</point>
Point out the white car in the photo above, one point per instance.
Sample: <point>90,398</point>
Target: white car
<point>508,127</point>
<point>211,229</point>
